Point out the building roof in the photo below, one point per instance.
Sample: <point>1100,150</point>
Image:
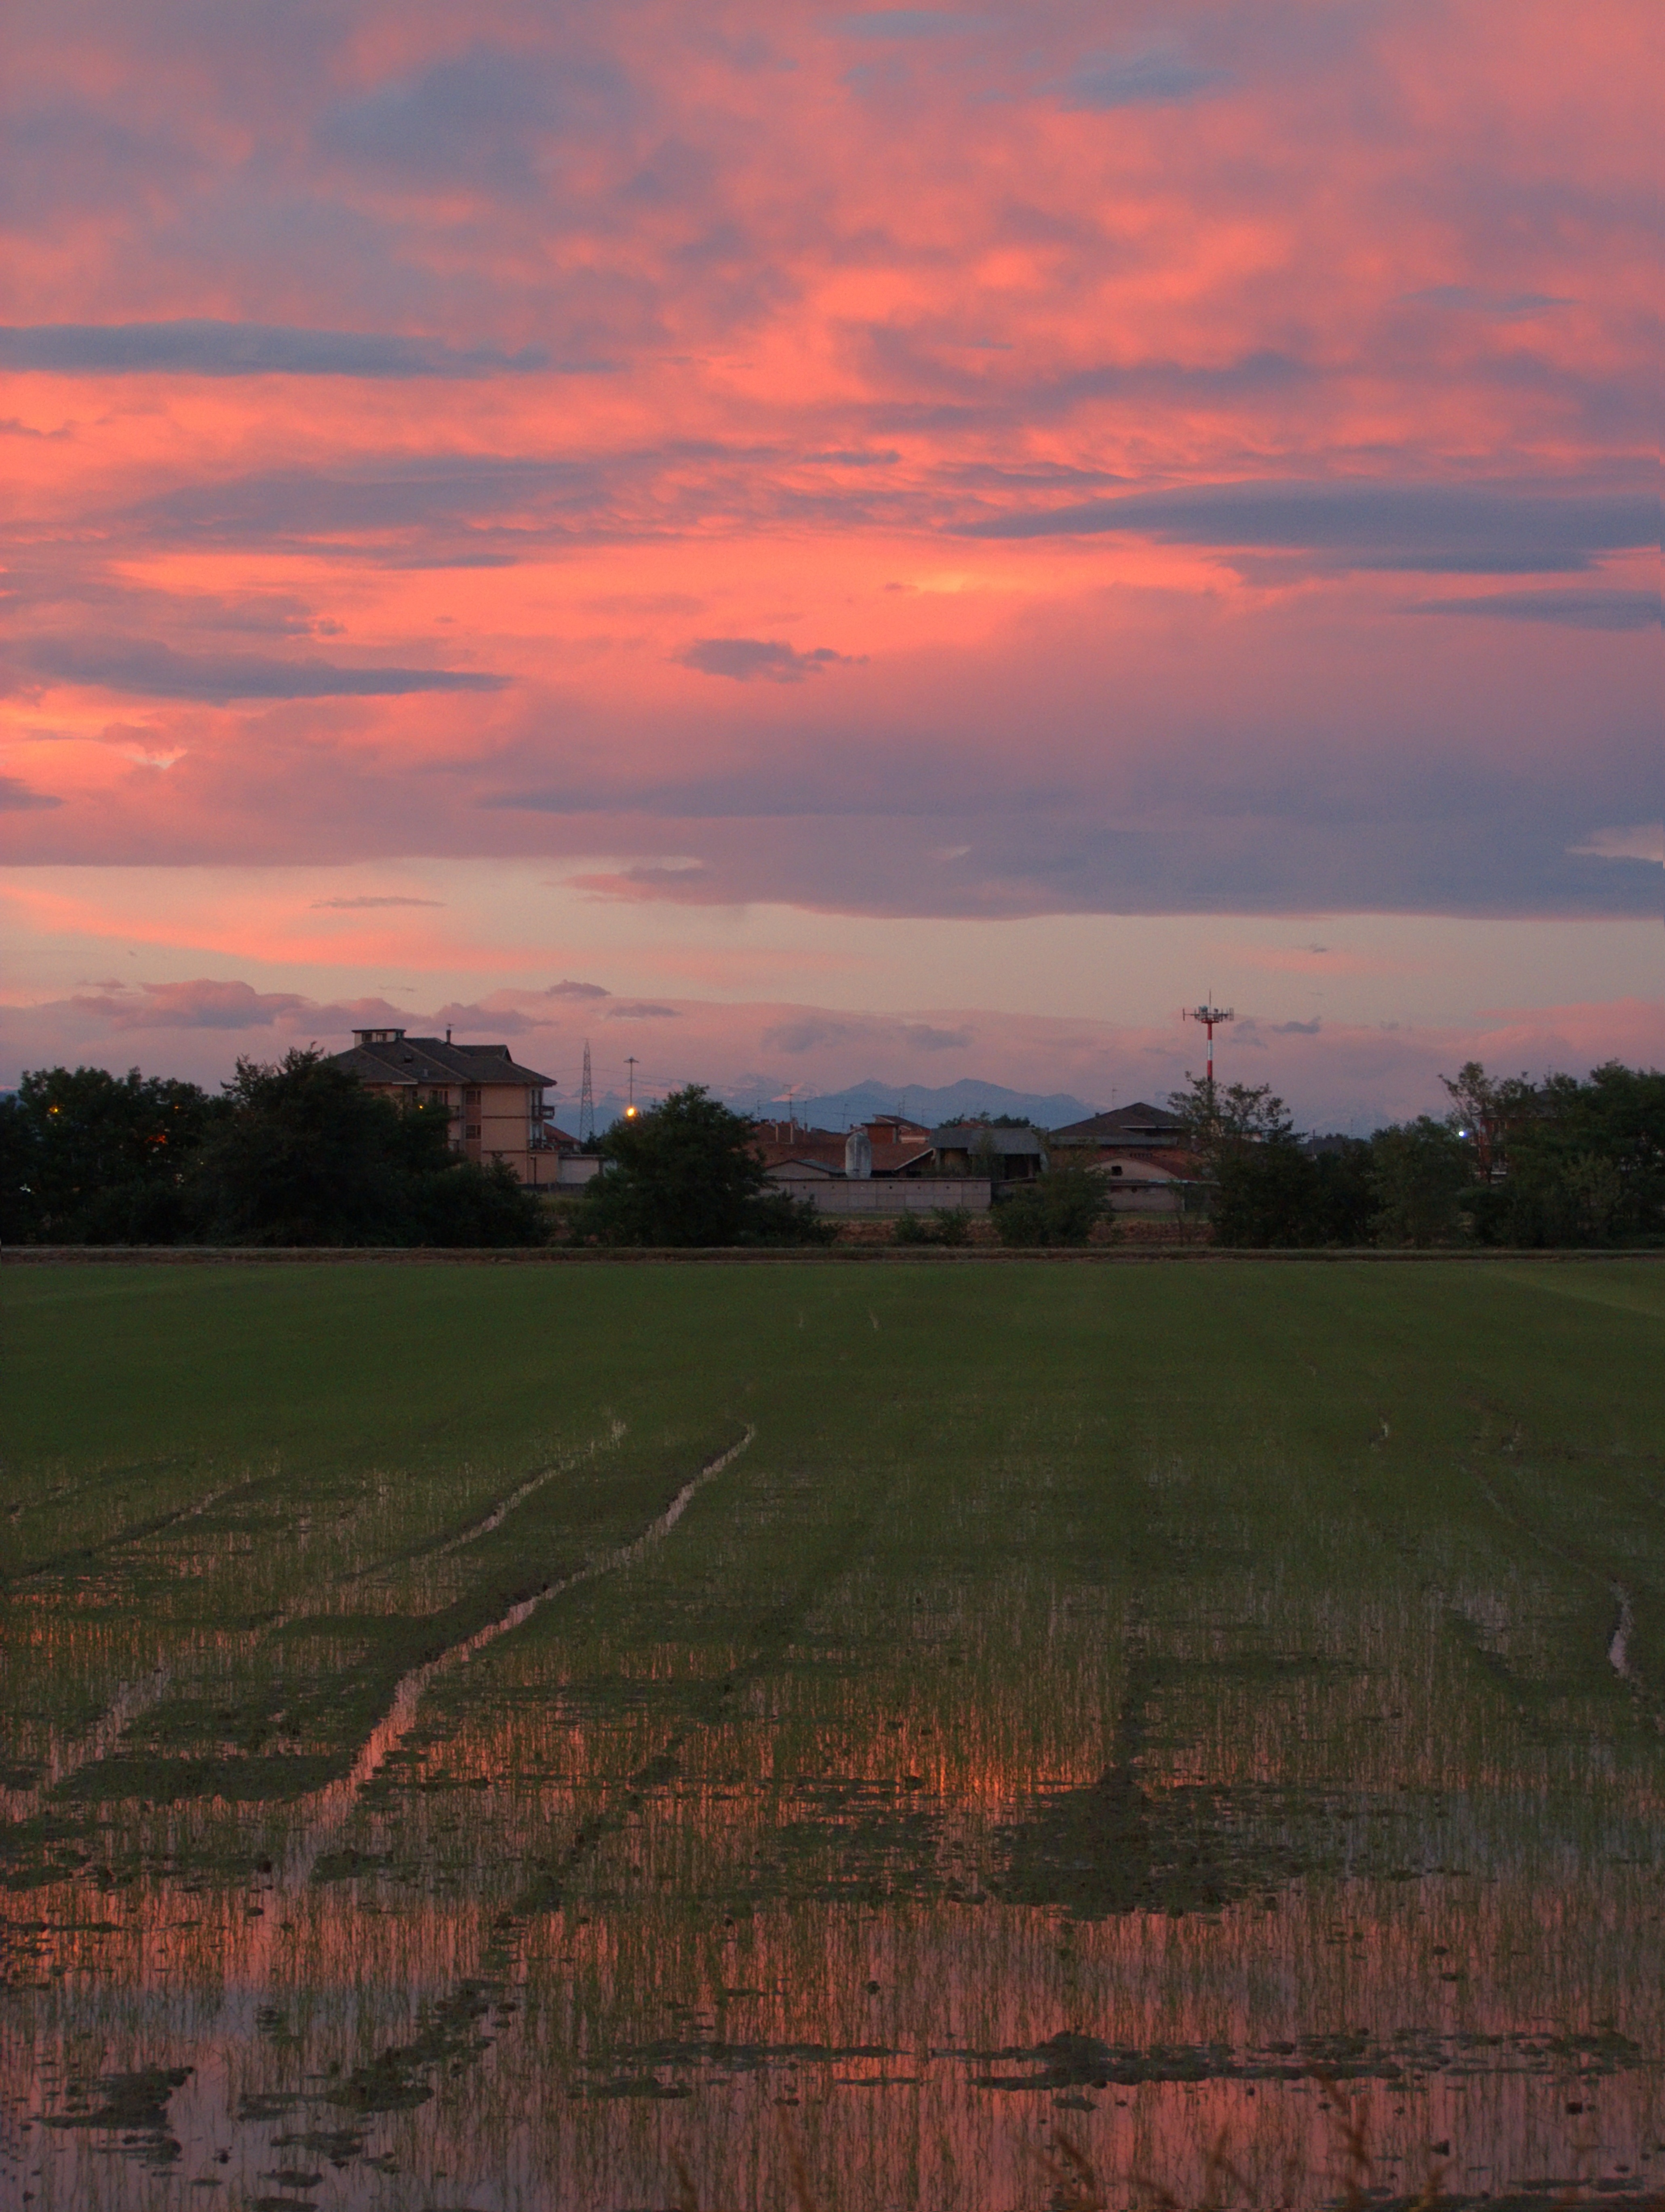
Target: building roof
<point>974,1136</point>
<point>897,1159</point>
<point>806,1162</point>
<point>390,1057</point>
<point>823,1146</point>
<point>899,1126</point>
<point>1134,1126</point>
<point>795,1133</point>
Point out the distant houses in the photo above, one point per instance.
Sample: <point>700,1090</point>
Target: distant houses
<point>1142,1152</point>
<point>894,1166</point>
<point>889,1166</point>
<point>884,1166</point>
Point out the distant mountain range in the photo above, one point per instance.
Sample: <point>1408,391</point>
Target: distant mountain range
<point>843,1109</point>
<point>931,1105</point>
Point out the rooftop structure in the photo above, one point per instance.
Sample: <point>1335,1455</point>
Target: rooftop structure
<point>496,1106</point>
<point>1128,1129</point>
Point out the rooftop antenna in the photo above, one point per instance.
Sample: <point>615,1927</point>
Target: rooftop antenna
<point>587,1102</point>
<point>630,1101</point>
<point>1208,1014</point>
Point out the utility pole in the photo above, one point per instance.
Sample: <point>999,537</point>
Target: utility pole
<point>587,1102</point>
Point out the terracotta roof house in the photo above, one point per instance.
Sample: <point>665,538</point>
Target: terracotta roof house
<point>885,1166</point>
<point>1138,1127</point>
<point>497,1107</point>
<point>894,1147</point>
<point>1142,1152</point>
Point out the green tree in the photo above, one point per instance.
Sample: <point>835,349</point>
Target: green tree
<point>688,1172</point>
<point>90,1158</point>
<point>1281,1193</point>
<point>1578,1162</point>
<point>1060,1207</point>
<point>1218,1117</point>
<point>462,1204</point>
<point>1423,1175</point>
<point>306,1155</point>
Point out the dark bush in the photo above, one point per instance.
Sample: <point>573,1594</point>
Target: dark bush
<point>1422,1173</point>
<point>1060,1207</point>
<point>943,1224</point>
<point>688,1172</point>
<point>462,1204</point>
<point>1280,1193</point>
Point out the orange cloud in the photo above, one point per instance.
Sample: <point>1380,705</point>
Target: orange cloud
<point>1065,463</point>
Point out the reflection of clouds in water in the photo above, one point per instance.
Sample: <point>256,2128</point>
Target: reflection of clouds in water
<point>812,1819</point>
<point>719,1883</point>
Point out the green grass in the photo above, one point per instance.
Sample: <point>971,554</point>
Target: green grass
<point>1114,1652</point>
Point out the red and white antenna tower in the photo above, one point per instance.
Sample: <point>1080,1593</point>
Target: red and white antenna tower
<point>1207,1015</point>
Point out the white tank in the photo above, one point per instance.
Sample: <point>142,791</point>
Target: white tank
<point>858,1155</point>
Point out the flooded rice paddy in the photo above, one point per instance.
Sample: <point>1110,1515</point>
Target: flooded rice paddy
<point>835,1741</point>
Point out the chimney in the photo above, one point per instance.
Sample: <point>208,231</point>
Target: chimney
<point>447,1036</point>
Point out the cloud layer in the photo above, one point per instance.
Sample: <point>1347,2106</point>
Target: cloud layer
<point>204,347</point>
<point>1334,1074</point>
<point>911,462</point>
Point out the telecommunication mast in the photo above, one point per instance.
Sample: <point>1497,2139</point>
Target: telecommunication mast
<point>587,1104</point>
<point>1207,1015</point>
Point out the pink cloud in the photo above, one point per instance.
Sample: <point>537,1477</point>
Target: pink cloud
<point>195,1006</point>
<point>1179,462</point>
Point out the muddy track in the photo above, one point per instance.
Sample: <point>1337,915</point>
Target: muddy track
<point>325,1812</point>
<point>1619,1655</point>
<point>132,1701</point>
<point>77,1555</point>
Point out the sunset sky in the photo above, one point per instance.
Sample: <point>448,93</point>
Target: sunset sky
<point>808,546</point>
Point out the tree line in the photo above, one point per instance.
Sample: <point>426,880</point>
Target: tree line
<point>300,1153</point>
<point>1566,1161</point>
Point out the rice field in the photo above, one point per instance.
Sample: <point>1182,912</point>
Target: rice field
<point>633,1737</point>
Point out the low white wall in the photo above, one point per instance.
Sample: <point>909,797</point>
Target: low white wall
<point>886,1194</point>
<point>550,1169</point>
<point>1144,1197</point>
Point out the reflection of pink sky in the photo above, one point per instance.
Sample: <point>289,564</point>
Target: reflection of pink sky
<point>640,1964</point>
